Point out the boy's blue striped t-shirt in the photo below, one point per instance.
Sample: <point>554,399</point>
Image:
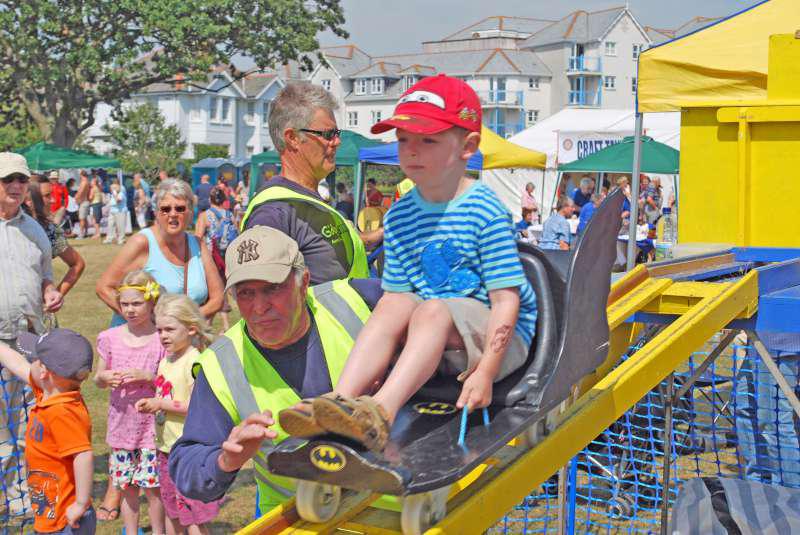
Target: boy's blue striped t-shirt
<point>461,248</point>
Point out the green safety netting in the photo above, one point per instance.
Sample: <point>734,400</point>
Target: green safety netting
<point>657,158</point>
<point>42,156</point>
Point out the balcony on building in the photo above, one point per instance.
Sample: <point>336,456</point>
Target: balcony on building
<point>585,65</point>
<point>588,99</point>
<point>505,130</point>
<point>501,98</point>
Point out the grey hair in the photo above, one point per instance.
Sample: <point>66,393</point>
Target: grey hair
<point>178,189</point>
<point>294,107</point>
<point>586,181</point>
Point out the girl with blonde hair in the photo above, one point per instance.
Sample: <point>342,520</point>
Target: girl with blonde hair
<point>184,332</point>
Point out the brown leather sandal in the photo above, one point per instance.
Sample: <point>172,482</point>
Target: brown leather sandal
<point>299,421</point>
<point>361,419</point>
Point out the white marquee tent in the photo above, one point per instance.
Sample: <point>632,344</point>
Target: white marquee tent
<point>558,135</point>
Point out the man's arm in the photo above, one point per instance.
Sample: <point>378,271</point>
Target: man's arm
<point>193,461</point>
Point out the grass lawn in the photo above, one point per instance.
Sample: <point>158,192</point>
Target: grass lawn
<point>85,313</point>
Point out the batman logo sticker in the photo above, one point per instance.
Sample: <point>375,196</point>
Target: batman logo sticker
<point>435,408</point>
<point>327,458</point>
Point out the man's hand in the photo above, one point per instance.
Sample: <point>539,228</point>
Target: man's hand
<point>477,391</point>
<point>52,299</point>
<point>75,512</point>
<point>244,440</point>
<point>148,405</point>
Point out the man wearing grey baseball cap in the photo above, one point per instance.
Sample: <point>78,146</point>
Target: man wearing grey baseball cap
<point>290,344</point>
<point>26,284</point>
<point>59,448</point>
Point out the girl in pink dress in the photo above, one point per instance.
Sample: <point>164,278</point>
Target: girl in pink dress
<point>129,358</point>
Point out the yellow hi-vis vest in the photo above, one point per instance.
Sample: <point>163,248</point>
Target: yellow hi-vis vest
<point>331,225</point>
<point>245,383</point>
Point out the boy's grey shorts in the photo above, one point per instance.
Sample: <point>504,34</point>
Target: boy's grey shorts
<point>471,318</point>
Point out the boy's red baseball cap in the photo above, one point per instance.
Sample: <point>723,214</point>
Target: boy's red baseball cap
<point>433,105</point>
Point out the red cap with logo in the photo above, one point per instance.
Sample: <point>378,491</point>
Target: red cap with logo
<point>433,105</point>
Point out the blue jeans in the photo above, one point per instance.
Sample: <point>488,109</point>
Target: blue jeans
<point>86,525</point>
<point>766,424</point>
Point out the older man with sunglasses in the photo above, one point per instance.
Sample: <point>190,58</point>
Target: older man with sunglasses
<point>26,293</point>
<point>304,131</point>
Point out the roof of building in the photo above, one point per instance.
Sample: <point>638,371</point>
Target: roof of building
<point>466,62</point>
<point>251,85</point>
<point>498,25</point>
<point>379,68</point>
<point>579,26</point>
<point>662,35</point>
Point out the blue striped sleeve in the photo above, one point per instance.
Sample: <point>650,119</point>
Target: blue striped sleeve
<point>394,278</point>
<point>498,252</point>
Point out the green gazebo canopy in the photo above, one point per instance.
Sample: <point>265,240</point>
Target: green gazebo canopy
<point>657,158</point>
<point>42,156</point>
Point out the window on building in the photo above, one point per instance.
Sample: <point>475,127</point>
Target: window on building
<point>532,116</point>
<point>633,85</point>
<point>250,114</point>
<point>213,109</point>
<point>376,116</point>
<point>376,86</point>
<point>326,84</point>
<point>361,86</point>
<point>226,110</point>
<point>533,83</point>
<point>609,82</point>
<point>195,114</point>
<point>637,50</point>
<point>352,118</point>
<point>409,80</point>
<point>611,48</point>
<point>248,150</point>
<point>265,112</point>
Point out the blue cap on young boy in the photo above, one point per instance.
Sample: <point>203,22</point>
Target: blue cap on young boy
<point>62,351</point>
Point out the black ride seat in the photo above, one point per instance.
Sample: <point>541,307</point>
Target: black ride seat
<point>571,294</point>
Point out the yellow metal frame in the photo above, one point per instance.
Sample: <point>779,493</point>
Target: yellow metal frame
<point>487,494</point>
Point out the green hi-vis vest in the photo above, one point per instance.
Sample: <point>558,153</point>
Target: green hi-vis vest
<point>331,224</point>
<point>245,383</point>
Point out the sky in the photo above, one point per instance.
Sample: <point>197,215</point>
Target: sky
<point>381,27</point>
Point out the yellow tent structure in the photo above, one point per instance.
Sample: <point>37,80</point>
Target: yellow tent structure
<point>723,62</point>
<point>499,153</point>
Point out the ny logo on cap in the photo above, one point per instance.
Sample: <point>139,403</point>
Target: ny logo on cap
<point>248,251</point>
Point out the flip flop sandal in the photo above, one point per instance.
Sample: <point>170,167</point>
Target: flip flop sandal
<point>110,514</point>
<point>360,419</point>
<point>300,421</point>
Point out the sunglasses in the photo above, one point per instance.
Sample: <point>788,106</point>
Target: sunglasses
<point>169,209</point>
<point>22,179</point>
<point>327,135</point>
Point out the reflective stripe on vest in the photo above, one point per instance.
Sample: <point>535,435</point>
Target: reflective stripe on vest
<point>354,247</point>
<point>245,383</point>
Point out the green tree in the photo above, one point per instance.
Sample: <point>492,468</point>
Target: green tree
<point>17,130</point>
<point>203,151</point>
<point>60,58</point>
<point>145,142</point>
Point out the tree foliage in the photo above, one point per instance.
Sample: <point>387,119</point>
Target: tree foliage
<point>63,57</point>
<point>145,142</point>
<point>203,151</point>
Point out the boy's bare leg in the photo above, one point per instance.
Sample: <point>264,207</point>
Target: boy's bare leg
<point>430,331</point>
<point>376,344</point>
<point>173,526</point>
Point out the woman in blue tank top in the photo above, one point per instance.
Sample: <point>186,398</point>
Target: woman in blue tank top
<point>175,258</point>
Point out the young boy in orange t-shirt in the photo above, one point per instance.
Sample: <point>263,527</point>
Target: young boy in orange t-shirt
<point>58,448</point>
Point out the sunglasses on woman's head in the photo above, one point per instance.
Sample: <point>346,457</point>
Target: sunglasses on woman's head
<point>22,179</point>
<point>168,209</point>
